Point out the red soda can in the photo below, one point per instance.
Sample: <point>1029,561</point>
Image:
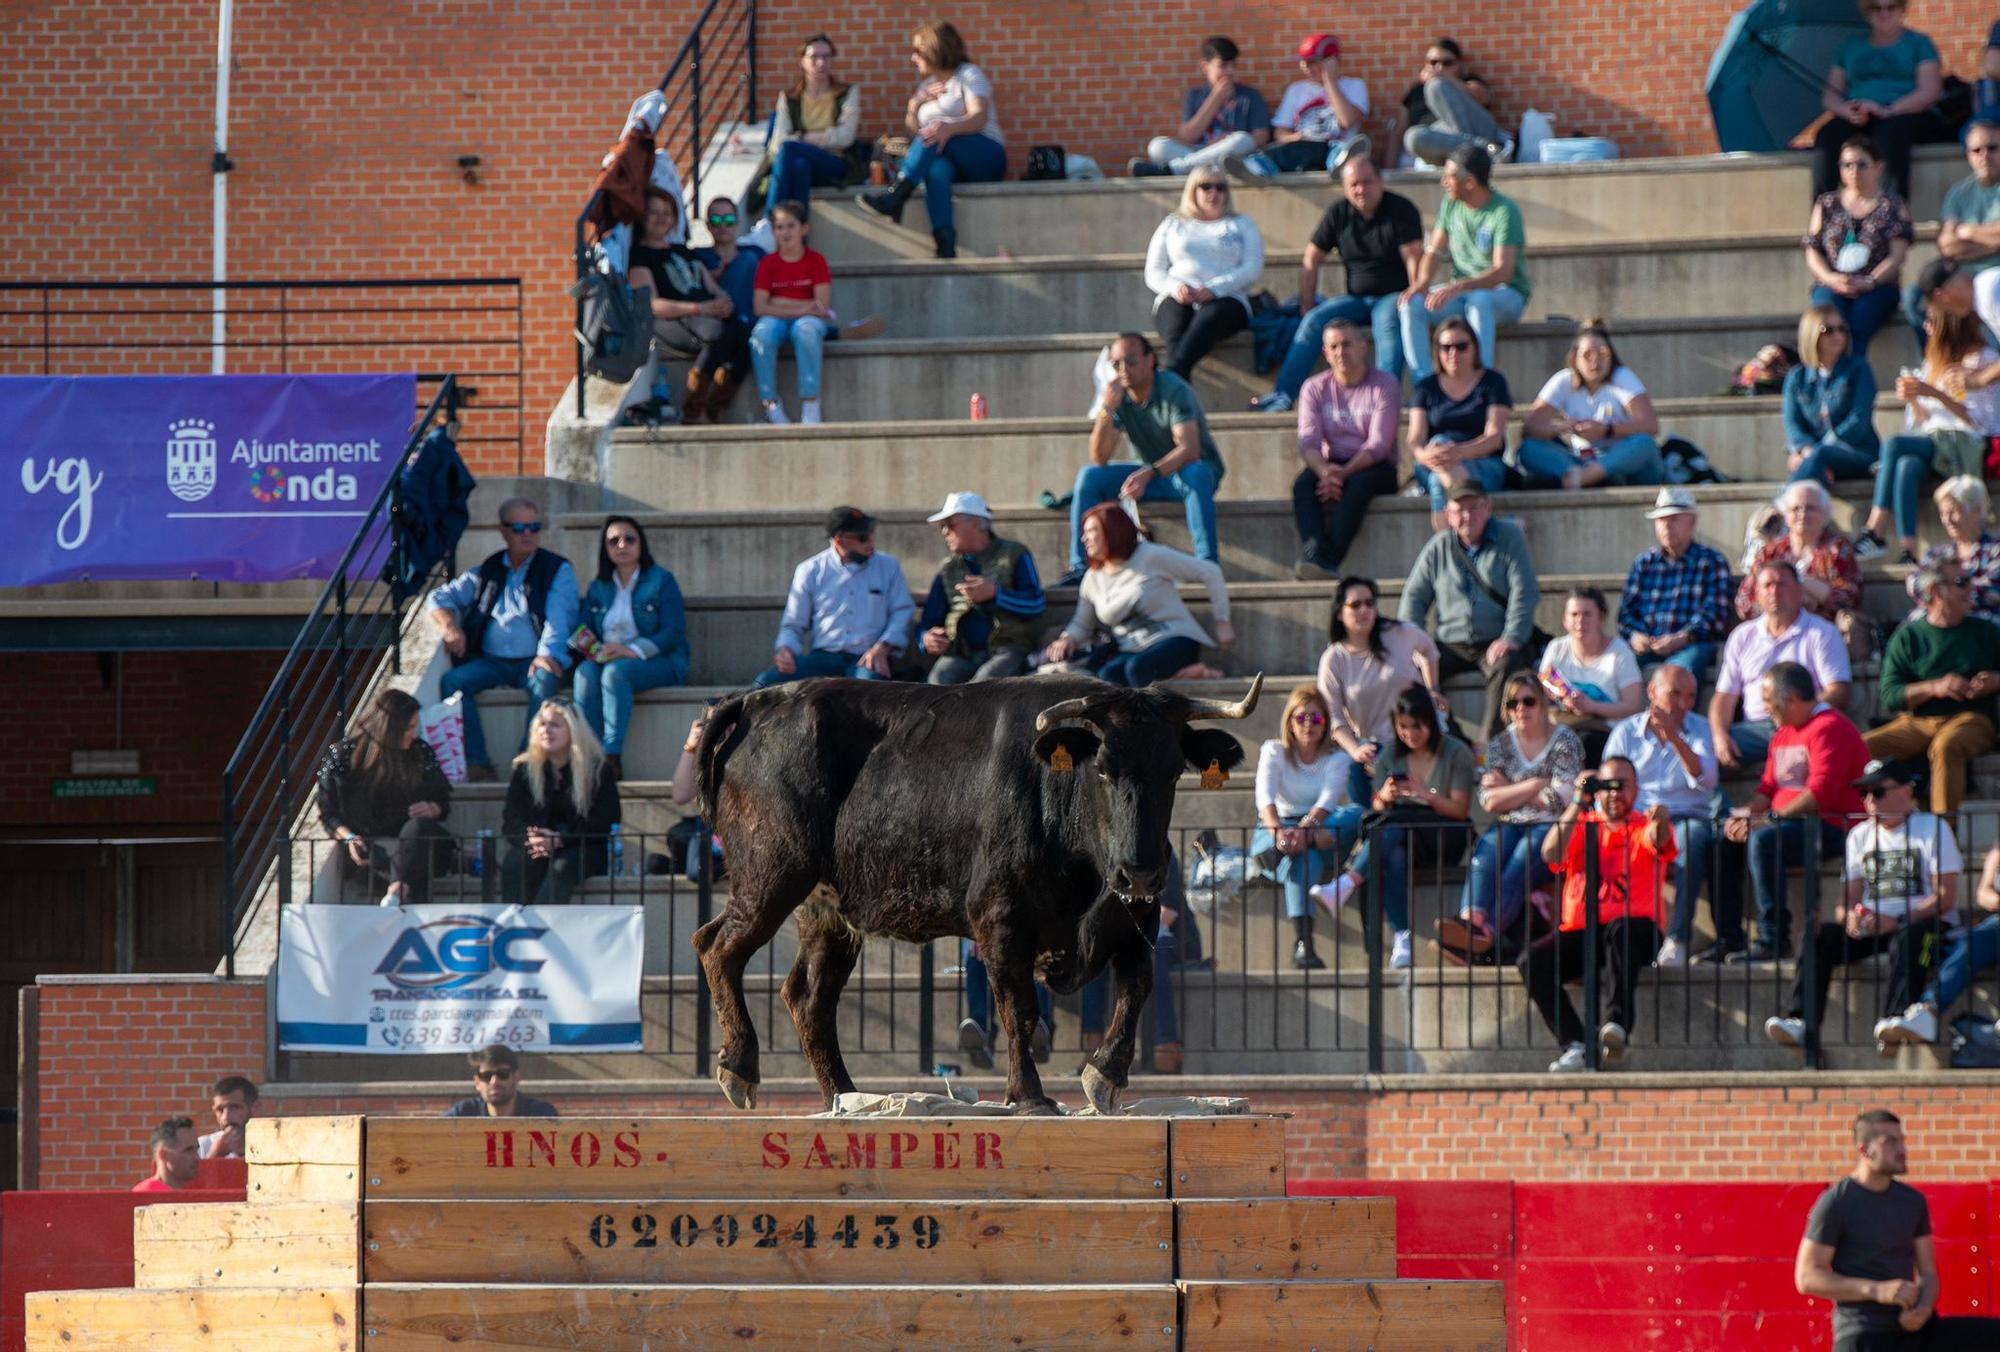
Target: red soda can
<point>979,408</point>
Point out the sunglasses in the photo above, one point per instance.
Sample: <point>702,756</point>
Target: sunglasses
<point>484,1076</point>
<point>722,218</point>
<point>620,541</point>
<point>1309,717</point>
<point>1610,785</point>
<point>524,527</point>
<point>1212,187</point>
<point>1522,703</point>
<point>1454,347</point>
<point>1360,603</point>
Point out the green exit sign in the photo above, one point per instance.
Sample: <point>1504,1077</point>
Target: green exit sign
<point>122,786</point>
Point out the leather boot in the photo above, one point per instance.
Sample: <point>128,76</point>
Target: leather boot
<point>947,243</point>
<point>889,201</point>
<point>694,406</point>
<point>722,387</point>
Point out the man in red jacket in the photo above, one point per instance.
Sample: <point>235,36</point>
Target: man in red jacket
<point>1807,789</point>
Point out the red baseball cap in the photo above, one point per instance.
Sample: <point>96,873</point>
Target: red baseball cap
<point>1318,47</point>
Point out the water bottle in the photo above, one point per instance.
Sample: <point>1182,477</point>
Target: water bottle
<point>617,852</point>
<point>979,408</point>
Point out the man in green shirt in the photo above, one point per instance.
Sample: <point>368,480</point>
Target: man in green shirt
<point>1479,233</point>
<point>1941,678</point>
<point>1157,412</point>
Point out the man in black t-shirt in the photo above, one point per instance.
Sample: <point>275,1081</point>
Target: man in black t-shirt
<point>496,1080</point>
<point>1379,236</point>
<point>1867,1248</point>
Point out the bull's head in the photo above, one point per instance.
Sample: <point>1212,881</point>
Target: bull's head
<point>1127,749</point>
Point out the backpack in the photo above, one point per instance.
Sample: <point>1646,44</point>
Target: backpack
<point>1044,163</point>
<point>617,329</point>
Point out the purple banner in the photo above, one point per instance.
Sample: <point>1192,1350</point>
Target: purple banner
<point>217,478</point>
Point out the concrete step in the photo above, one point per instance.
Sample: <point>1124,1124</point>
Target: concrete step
<point>1049,374</point>
<point>743,468</point>
<point>1619,200</point>
<point>1623,280</point>
<point>1596,531</point>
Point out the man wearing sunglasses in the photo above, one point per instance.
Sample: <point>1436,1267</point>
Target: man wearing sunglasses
<point>1941,678</point>
<point>848,611</point>
<point>496,1082</point>
<point>1968,236</point>
<point>507,624</point>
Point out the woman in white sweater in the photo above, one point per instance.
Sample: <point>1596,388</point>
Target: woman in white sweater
<point>1200,267</point>
<point>1302,811</point>
<point>1132,590</point>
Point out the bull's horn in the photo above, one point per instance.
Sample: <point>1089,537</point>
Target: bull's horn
<point>1056,713</point>
<point>1219,708</point>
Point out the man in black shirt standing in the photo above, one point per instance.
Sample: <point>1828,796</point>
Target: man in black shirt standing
<point>1379,236</point>
<point>1867,1248</point>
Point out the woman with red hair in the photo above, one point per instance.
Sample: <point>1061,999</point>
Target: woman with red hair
<point>1132,591</point>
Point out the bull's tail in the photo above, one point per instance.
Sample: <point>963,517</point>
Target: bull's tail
<point>720,736</point>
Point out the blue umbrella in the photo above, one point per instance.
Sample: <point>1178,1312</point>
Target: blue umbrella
<point>1765,80</point>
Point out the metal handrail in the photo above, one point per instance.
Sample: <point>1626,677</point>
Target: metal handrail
<point>741,18</point>
<point>306,703</point>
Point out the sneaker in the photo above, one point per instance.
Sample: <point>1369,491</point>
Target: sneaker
<point>1413,489</point>
<point>1572,1059</point>
<point>1722,950</point>
<point>1277,401</point>
<point>809,412</point>
<point>1139,167</point>
<point>1673,953</point>
<point>1307,569</point>
<point>1611,1043</point>
<point>1757,954</point>
<point>1918,1023</point>
<point>1868,545</point>
<point>1304,958</point>
<point>1333,895</point>
<point>1785,1032</point>
<point>1908,559</point>
<point>972,1040</point>
<point>391,899</point>
<point>1346,150</point>
<point>1400,955</point>
<point>774,414</point>
<point>1242,169</point>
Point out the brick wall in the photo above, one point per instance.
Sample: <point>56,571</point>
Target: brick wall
<point>116,1055</point>
<point>347,120</point>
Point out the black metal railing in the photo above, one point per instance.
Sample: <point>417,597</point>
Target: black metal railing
<point>1227,989</point>
<point>473,327</point>
<point>712,80</point>
<point>331,668</point>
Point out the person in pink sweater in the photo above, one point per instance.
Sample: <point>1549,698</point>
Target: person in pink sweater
<point>1348,415</point>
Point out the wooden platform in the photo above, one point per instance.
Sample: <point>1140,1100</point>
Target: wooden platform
<point>635,1233</point>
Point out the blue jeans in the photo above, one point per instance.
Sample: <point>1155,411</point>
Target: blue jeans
<point>1629,461</point>
<point>1487,311</point>
<point>1696,659</point>
<point>818,662</point>
<point>1773,849</point>
<point>1753,738</point>
<point>808,335</point>
<point>494,673</point>
<point>971,158</point>
<point>1193,484</point>
<point>1899,478</point>
<point>798,168</point>
<point>979,993</point>
<point>1154,662</point>
<point>604,692</point>
<point>1378,312</point>
<point>1972,951</point>
<point>1396,862</point>
<point>1297,872</point>
<point>1695,836</point>
<point>1506,865</point>
<point>1865,314</point>
<point>1490,470</point>
<point>1094,1000</point>
<point>1835,460</point>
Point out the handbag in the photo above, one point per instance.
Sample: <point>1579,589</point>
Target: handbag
<point>1045,163</point>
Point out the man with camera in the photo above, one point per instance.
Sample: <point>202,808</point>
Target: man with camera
<point>1635,850</point>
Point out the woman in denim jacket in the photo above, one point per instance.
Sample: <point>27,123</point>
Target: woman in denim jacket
<point>634,610</point>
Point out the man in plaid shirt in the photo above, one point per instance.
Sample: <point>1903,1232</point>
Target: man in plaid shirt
<point>1677,596</point>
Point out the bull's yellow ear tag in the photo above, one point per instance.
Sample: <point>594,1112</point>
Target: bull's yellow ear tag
<point>1214,777</point>
<point>1060,761</point>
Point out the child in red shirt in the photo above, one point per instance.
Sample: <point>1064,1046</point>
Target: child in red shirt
<point>793,299</point>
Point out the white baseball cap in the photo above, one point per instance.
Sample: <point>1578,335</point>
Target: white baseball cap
<point>1672,502</point>
<point>962,504</point>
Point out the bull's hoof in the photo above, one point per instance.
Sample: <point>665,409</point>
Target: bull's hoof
<point>1040,1107</point>
<point>740,1092</point>
<point>1099,1090</point>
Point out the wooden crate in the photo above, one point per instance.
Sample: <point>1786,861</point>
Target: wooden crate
<point>1286,1239</point>
<point>1386,1316</point>
<point>243,1319</point>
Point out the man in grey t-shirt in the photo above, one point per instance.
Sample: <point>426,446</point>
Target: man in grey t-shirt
<point>1867,1248</point>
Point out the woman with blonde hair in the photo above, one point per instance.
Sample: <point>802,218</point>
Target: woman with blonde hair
<point>1200,266</point>
<point>383,797</point>
<point>1962,505</point>
<point>957,135</point>
<point>1829,402</point>
<point>1593,421</point>
<point>562,801</point>
<point>1301,807</point>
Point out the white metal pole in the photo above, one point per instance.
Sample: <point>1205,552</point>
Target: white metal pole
<point>219,166</point>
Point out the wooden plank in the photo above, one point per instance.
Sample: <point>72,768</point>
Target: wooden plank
<point>941,1243</point>
<point>304,1159</point>
<point>1306,1238</point>
<point>244,1320</point>
<point>753,1158</point>
<point>250,1244</point>
<point>1383,1316</point>
<point>618,1318</point>
<point>1228,1156</point>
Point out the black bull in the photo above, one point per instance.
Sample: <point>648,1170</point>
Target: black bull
<point>1030,815</point>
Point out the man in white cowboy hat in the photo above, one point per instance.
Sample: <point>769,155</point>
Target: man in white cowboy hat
<point>982,618</point>
<point>1677,596</point>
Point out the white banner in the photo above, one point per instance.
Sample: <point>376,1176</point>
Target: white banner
<point>447,978</point>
